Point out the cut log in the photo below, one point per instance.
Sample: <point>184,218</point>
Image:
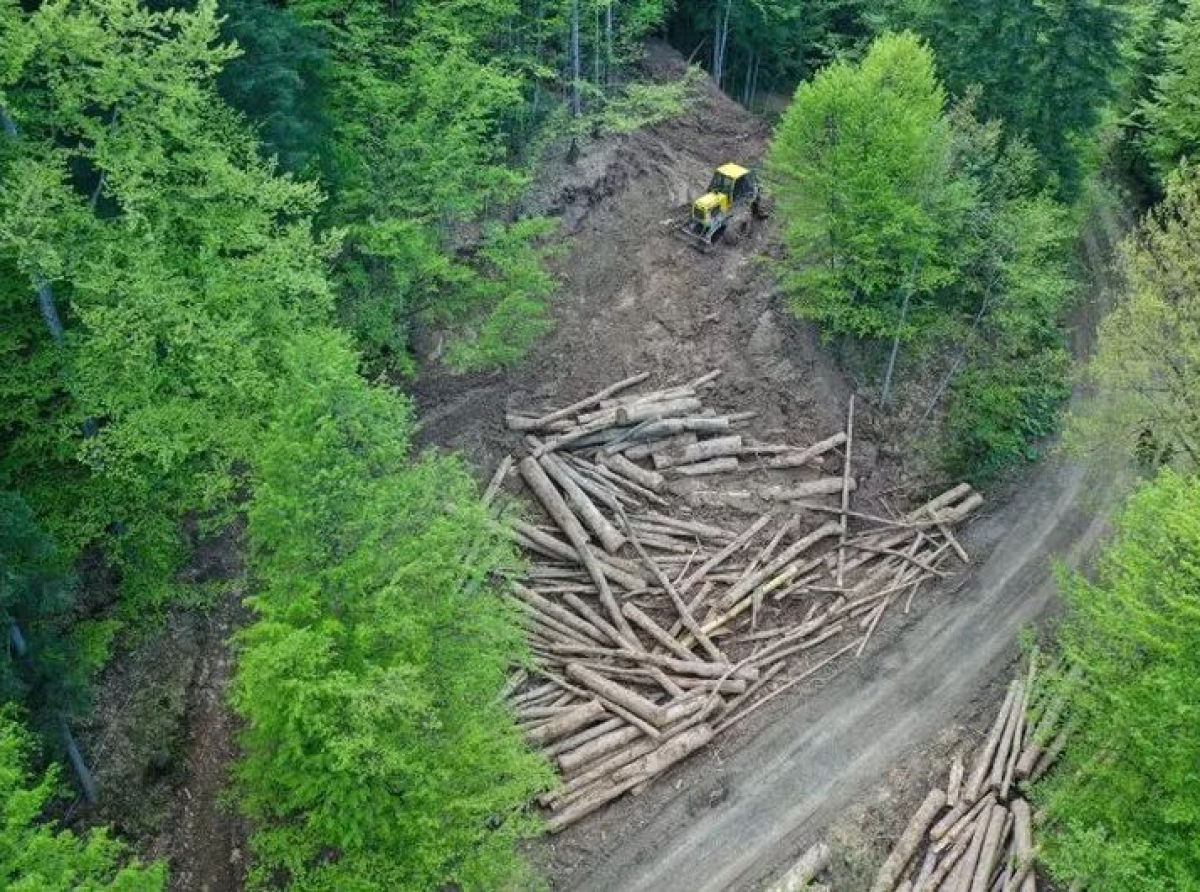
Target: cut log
<point>583,507</point>
<point>666,755</point>
<point>694,527</point>
<point>989,851</point>
<point>619,694</point>
<point>567,723</point>
<point>655,631</point>
<point>812,454</point>
<point>704,450</point>
<point>845,504</point>
<point>685,615</point>
<point>652,764</point>
<point>619,464</point>
<point>594,399</point>
<point>656,411</point>
<point>983,761</point>
<point>824,486</point>
<point>698,668</point>
<point>724,554</point>
<point>954,784</point>
<point>602,746</point>
<point>541,486</point>
<point>616,569</point>
<point>789,554</point>
<point>498,478</point>
<point>647,449</point>
<point>705,468</point>
<point>584,609</point>
<point>906,846</point>
<point>580,738</point>
<point>798,877</point>
<point>1023,880</point>
<point>560,613</point>
<point>965,873</point>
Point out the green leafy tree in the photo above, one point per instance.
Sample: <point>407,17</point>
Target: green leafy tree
<point>179,258</point>
<point>37,857</point>
<point>1172,113</point>
<point>1004,308</point>
<point>858,166</point>
<point>278,81</point>
<point>1046,67</point>
<point>1147,362</point>
<point>419,155</point>
<point>377,755</point>
<point>1123,807</point>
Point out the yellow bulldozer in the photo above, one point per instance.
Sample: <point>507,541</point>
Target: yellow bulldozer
<point>733,196</point>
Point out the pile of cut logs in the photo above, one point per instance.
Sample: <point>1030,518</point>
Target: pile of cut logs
<point>654,630</point>
<point>977,833</point>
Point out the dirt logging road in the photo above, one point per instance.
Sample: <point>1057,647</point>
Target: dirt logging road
<point>633,300</point>
<point>802,765</point>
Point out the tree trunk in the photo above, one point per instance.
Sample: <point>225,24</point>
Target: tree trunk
<point>891,366</point>
<point>906,845</point>
<point>576,101</point>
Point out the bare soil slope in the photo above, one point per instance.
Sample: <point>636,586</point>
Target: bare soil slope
<point>633,298</point>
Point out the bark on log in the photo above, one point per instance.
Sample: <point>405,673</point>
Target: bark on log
<point>694,527</point>
<point>560,613</point>
<point>705,468</point>
<point>989,850</point>
<point>569,524</point>
<point>606,744</point>
<point>961,880</point>
<point>594,399</point>
<point>654,763</point>
<point>655,631</point>
<point>845,503</point>
<point>577,740</point>
<point>906,846</point>
<point>619,464</point>
<point>804,871</point>
<point>681,608</point>
<point>582,506</point>
<point>657,411</point>
<point>789,554</point>
<point>584,609</point>
<point>983,761</point>
<point>724,554</point>
<point>619,694</point>
<point>567,723</point>
<point>812,454</point>
<point>498,478</point>
<point>718,447</point>
<point>667,754</point>
<point>617,569</point>
<point>1023,844</point>
<point>954,784</point>
<point>639,451</point>
<point>698,668</point>
<point>824,486</point>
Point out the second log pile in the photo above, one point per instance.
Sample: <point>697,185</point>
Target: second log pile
<point>976,835</point>
<point>654,630</point>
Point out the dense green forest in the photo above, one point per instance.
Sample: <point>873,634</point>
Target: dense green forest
<point>222,224</point>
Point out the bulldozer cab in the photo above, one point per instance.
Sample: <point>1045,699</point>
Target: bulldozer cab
<point>733,181</point>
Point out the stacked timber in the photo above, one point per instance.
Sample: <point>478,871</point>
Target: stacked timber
<point>976,835</point>
<point>654,629</point>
